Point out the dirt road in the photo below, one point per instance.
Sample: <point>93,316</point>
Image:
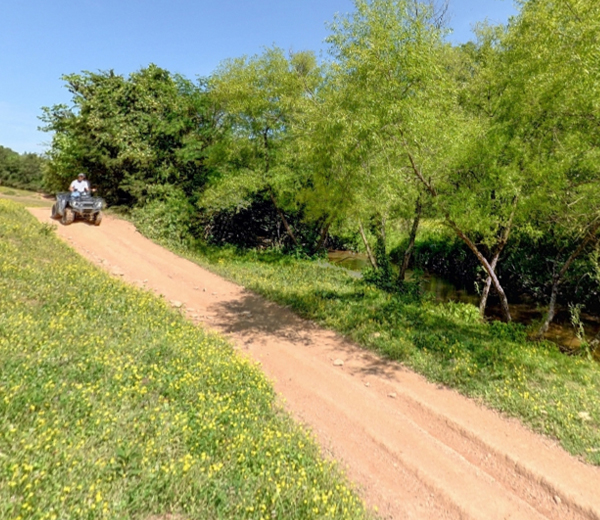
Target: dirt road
<point>414,450</point>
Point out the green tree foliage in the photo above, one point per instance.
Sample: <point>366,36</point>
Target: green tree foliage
<point>401,103</point>
<point>549,74</point>
<point>377,117</point>
<point>130,134</point>
<point>485,186</point>
<point>24,171</point>
<point>260,98</point>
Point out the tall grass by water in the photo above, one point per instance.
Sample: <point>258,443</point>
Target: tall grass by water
<point>112,405</point>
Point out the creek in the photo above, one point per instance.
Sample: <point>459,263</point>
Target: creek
<point>561,331</point>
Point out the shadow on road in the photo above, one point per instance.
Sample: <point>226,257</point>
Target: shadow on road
<point>251,317</point>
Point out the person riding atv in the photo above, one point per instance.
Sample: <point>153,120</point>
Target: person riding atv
<point>79,185</point>
<point>78,202</point>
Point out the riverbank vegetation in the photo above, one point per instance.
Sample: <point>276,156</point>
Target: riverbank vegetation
<point>112,405</point>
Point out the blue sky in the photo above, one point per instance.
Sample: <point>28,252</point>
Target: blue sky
<point>42,39</point>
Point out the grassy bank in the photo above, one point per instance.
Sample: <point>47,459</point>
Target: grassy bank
<point>112,405</point>
<point>25,197</point>
<point>553,393</point>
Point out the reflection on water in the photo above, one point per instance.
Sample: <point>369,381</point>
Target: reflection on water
<point>445,291</point>
<point>349,260</point>
<point>561,331</point>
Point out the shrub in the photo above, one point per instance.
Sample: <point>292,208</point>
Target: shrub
<point>167,216</point>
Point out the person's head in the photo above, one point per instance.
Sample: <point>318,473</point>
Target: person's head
<point>81,176</point>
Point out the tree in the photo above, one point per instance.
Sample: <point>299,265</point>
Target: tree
<point>403,101</point>
<point>550,70</point>
<point>259,98</point>
<point>9,165</point>
<point>22,171</point>
<point>130,134</point>
<point>374,114</point>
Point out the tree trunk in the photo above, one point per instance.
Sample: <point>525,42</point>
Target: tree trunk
<point>378,229</point>
<point>411,241</point>
<point>283,219</point>
<point>322,237</point>
<point>557,278</point>
<point>433,192</point>
<point>551,306</point>
<point>486,265</point>
<point>384,266</point>
<point>488,284</point>
<point>501,244</point>
<point>380,242</point>
<point>367,247</point>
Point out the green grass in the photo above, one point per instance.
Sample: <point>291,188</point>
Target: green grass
<point>112,405</point>
<point>25,197</point>
<point>553,393</point>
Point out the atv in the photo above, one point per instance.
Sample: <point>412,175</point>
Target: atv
<point>84,206</point>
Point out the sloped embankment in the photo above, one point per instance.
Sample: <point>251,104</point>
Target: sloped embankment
<point>112,405</point>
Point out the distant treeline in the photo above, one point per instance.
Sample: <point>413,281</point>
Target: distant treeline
<point>23,171</point>
<point>496,140</point>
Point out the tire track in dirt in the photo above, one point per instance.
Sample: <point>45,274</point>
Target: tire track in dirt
<point>415,450</point>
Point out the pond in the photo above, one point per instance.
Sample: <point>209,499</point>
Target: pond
<point>561,330</point>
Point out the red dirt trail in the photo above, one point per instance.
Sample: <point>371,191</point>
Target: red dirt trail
<point>414,449</point>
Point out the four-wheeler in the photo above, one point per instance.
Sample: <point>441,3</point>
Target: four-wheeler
<point>68,207</point>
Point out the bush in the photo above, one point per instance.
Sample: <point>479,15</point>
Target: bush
<point>167,216</point>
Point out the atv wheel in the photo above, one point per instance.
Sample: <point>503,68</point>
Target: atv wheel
<point>68,217</point>
<point>97,218</point>
<point>55,214</point>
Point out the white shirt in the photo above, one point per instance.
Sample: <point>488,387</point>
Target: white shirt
<point>80,186</point>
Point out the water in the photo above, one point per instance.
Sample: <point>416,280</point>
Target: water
<point>560,332</point>
<point>443,290</point>
<point>349,260</point>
